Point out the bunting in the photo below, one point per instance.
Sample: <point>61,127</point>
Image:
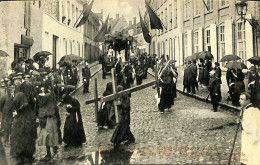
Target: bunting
<point>145,31</point>
<point>155,21</point>
<point>86,12</point>
<point>100,37</point>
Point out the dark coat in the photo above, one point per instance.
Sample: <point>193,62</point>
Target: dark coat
<point>214,89</point>
<point>74,133</point>
<point>7,108</point>
<point>201,73</point>
<point>193,74</point>
<point>208,66</point>
<point>187,71</point>
<point>86,73</point>
<point>122,131</point>
<point>23,133</point>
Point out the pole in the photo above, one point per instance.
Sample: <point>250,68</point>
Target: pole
<point>114,91</point>
<point>79,16</point>
<point>238,125</point>
<point>96,100</point>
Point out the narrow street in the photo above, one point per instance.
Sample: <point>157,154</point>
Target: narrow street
<point>189,133</point>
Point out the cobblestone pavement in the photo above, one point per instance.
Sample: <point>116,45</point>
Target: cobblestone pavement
<point>189,133</point>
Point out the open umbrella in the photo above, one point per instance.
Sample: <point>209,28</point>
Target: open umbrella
<point>206,55</point>
<point>40,54</point>
<point>3,54</point>
<point>230,58</point>
<point>254,60</point>
<point>236,65</point>
<point>195,56</point>
<point>70,59</point>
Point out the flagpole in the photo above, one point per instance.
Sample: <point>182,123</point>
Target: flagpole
<point>156,13</point>
<point>80,15</point>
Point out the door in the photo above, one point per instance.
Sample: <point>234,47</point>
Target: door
<point>54,52</point>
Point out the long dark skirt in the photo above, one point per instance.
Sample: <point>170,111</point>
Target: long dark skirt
<point>166,98</point>
<point>201,76</point>
<point>122,131</point>
<point>206,77</point>
<point>139,80</point>
<point>239,87</point>
<point>74,134</point>
<point>23,134</point>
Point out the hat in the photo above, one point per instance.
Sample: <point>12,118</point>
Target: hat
<point>2,80</point>
<point>6,79</point>
<point>216,63</point>
<point>252,68</point>
<point>27,76</point>
<point>17,77</point>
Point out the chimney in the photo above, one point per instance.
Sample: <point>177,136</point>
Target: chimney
<point>117,16</point>
<point>134,21</point>
<point>130,23</point>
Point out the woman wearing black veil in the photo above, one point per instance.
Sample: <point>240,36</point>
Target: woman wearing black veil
<point>74,134</point>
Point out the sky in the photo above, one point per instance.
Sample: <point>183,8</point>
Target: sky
<point>128,8</point>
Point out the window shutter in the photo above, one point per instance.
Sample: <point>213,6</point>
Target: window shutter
<point>200,39</point>
<point>228,37</point>
<point>213,40</point>
<point>249,42</point>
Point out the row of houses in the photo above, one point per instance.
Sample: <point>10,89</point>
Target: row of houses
<point>27,27</point>
<point>189,27</point>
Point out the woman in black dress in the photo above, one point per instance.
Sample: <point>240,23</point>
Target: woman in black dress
<point>106,114</point>
<point>122,131</point>
<point>208,67</point>
<point>74,134</point>
<point>23,132</point>
<point>166,94</point>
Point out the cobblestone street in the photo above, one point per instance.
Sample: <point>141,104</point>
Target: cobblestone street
<point>189,133</point>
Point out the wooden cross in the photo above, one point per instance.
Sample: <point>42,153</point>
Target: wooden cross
<point>115,95</point>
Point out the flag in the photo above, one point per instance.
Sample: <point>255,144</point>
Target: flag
<point>155,21</point>
<point>100,37</point>
<point>206,5</point>
<point>109,30</point>
<point>86,12</point>
<point>146,34</point>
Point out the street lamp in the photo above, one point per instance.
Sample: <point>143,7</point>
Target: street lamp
<point>241,8</point>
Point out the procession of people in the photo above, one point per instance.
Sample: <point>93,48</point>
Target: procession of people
<point>29,105</point>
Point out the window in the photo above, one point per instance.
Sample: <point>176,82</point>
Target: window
<point>77,14</point>
<point>73,14</point>
<point>175,21</point>
<point>170,16</point>
<point>185,45</point>
<point>222,41</point>
<point>208,36</point>
<point>241,39</point>
<point>68,5</point>
<point>209,5</point>
<point>207,40</point>
<point>196,41</point>
<point>166,19</point>
<point>196,7</point>
<point>170,49</point>
<point>224,3</point>
<point>63,7</point>
<point>162,19</point>
<point>186,9</point>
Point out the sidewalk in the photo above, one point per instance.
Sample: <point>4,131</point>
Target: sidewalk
<point>202,93</point>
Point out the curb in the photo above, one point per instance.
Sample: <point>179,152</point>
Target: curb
<point>227,106</point>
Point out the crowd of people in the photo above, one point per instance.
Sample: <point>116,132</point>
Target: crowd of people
<point>30,115</point>
<point>205,75</point>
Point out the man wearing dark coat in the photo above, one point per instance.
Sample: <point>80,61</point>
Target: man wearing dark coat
<point>7,108</point>
<point>218,71</point>
<point>193,76</point>
<point>186,83</point>
<point>139,73</point>
<point>214,89</point>
<point>86,78</point>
